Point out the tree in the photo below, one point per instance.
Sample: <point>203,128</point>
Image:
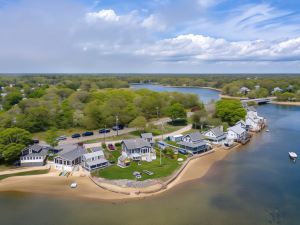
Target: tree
<point>51,136</point>
<point>176,111</point>
<point>139,123</point>
<point>12,142</point>
<point>230,111</point>
<point>12,98</point>
<point>15,135</point>
<point>199,118</point>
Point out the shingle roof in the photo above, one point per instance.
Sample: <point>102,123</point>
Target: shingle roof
<point>93,154</point>
<point>98,161</point>
<point>35,148</point>
<point>43,152</point>
<point>146,135</point>
<point>251,108</point>
<point>71,152</point>
<point>237,129</point>
<point>218,131</point>
<point>136,143</point>
<point>196,136</point>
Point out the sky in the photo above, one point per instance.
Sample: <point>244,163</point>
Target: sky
<point>149,36</point>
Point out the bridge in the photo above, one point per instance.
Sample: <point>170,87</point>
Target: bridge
<point>259,100</point>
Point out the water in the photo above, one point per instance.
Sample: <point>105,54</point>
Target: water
<point>257,184</point>
<point>205,95</point>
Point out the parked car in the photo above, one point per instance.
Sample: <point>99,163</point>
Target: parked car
<point>87,133</point>
<point>61,138</point>
<point>111,147</point>
<point>119,127</point>
<point>183,151</point>
<point>36,141</point>
<point>76,136</point>
<point>104,131</point>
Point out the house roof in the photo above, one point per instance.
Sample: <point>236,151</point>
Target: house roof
<point>195,137</point>
<point>251,108</point>
<point>136,143</point>
<point>146,135</point>
<point>97,149</point>
<point>237,129</point>
<point>241,122</point>
<point>71,152</point>
<point>93,155</point>
<point>43,152</point>
<point>191,144</point>
<point>218,131</point>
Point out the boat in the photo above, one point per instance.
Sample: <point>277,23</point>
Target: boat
<point>293,155</point>
<point>73,185</point>
<point>267,130</point>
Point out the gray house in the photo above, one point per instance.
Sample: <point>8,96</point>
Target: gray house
<point>70,156</point>
<point>148,137</point>
<point>193,143</point>
<point>94,160</point>
<point>216,135</point>
<point>138,149</point>
<point>34,155</point>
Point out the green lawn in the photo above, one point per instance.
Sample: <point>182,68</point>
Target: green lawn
<point>35,172</point>
<point>167,168</point>
<point>68,132</point>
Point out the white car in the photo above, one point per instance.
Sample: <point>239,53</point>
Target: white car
<point>61,138</point>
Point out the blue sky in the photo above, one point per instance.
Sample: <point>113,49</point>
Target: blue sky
<point>151,36</point>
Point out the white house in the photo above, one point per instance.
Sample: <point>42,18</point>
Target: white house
<point>94,160</point>
<point>236,133</point>
<point>70,156</point>
<point>138,149</point>
<point>148,137</point>
<point>123,160</point>
<point>216,135</point>
<point>176,138</point>
<point>244,90</point>
<point>277,89</point>
<point>34,155</point>
<point>253,121</point>
<point>194,143</point>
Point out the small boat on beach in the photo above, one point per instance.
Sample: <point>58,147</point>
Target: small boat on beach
<point>293,155</point>
<point>268,130</point>
<point>73,185</point>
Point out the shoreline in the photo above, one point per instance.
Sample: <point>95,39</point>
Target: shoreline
<point>286,103</point>
<point>52,184</point>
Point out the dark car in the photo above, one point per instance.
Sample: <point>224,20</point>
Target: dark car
<point>87,133</point>
<point>111,147</point>
<point>119,127</point>
<point>183,151</point>
<point>36,141</point>
<point>76,136</point>
<point>104,131</point>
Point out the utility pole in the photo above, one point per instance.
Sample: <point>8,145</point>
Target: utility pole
<point>117,127</point>
<point>157,111</point>
<point>104,132</point>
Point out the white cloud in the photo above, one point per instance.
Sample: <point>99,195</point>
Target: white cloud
<point>154,23</point>
<point>207,3</point>
<point>197,48</point>
<point>104,14</point>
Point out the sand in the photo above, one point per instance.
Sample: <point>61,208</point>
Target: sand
<point>287,103</point>
<point>52,184</point>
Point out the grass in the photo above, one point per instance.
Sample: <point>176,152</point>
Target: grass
<point>27,173</point>
<point>6,167</point>
<point>166,169</point>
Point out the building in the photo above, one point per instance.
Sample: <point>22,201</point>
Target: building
<point>34,155</point>
<point>237,133</point>
<point>70,156</point>
<point>253,121</point>
<point>277,89</point>
<point>138,149</point>
<point>193,143</point>
<point>215,135</point>
<point>242,124</point>
<point>94,160</point>
<point>123,160</point>
<point>244,90</point>
<point>148,137</point>
<point>176,138</point>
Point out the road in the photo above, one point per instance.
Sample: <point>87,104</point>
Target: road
<point>96,135</point>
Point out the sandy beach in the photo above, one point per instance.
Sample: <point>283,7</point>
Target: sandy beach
<point>287,103</point>
<point>52,184</point>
